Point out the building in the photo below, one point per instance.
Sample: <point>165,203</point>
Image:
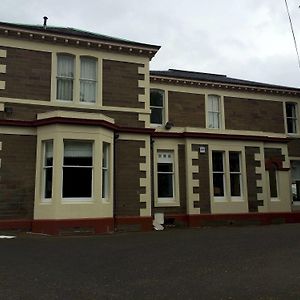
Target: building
<point>90,139</point>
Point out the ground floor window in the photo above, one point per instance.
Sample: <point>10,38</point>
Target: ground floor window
<point>165,175</point>
<point>273,181</point>
<point>47,169</point>
<point>105,171</point>
<point>226,174</point>
<point>77,169</point>
<point>295,172</point>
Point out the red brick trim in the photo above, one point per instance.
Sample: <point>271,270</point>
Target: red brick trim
<point>54,227</point>
<point>15,224</point>
<point>246,218</point>
<point>218,136</point>
<point>75,121</point>
<point>144,222</point>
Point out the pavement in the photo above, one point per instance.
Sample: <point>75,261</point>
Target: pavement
<point>255,262</point>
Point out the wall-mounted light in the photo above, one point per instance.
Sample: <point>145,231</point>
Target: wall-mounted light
<point>169,125</point>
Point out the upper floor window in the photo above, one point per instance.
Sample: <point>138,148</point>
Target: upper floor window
<point>76,83</point>
<point>65,77</point>
<point>157,107</point>
<point>291,117</point>
<point>214,111</point>
<point>88,79</point>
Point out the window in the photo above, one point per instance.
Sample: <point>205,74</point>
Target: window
<point>165,175</point>
<point>157,107</point>
<point>77,169</point>
<point>105,171</point>
<point>235,174</point>
<point>65,77</point>
<point>214,111</point>
<point>273,181</point>
<point>291,117</point>
<point>88,71</point>
<point>295,172</point>
<point>218,173</point>
<point>48,169</point>
<point>227,183</point>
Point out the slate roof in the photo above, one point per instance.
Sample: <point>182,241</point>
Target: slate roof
<point>218,78</point>
<point>76,33</point>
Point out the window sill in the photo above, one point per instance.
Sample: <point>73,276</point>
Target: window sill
<point>77,200</point>
<point>296,203</point>
<point>275,200</point>
<point>167,203</point>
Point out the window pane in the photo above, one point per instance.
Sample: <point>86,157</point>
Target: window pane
<point>216,120</point>
<point>48,153</point>
<point>78,149</point>
<point>234,161</point>
<point>64,89</point>
<point>273,182</point>
<point>165,185</point>
<point>290,110</point>
<point>105,172</point>
<point>48,183</point>
<point>65,66</point>
<point>215,104</point>
<point>217,160</point>
<point>156,116</point>
<point>77,182</point>
<point>88,68</point>
<point>156,98</point>
<point>87,91</point>
<point>88,73</point>
<point>235,185</point>
<point>218,184</point>
<point>78,161</point>
<point>164,167</point>
<point>291,125</point>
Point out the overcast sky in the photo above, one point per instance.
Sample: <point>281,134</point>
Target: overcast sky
<point>248,39</point>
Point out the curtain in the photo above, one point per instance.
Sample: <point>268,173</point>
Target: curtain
<point>88,70</point>
<point>65,77</point>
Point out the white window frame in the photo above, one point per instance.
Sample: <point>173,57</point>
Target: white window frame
<point>44,170</point>
<point>60,77</point>
<point>105,189</point>
<point>90,80</point>
<point>78,199</point>
<point>236,198</point>
<point>162,108</point>
<point>219,198</point>
<point>295,119</point>
<point>227,186</point>
<point>76,82</point>
<point>219,112</point>
<point>171,147</point>
<point>274,199</point>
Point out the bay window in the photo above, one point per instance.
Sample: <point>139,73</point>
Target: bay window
<point>88,71</point>
<point>65,77</point>
<point>77,169</point>
<point>47,169</point>
<point>157,107</point>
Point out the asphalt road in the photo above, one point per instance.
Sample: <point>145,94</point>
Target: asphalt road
<point>261,262</point>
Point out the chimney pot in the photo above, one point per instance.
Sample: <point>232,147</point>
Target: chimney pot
<point>45,22</point>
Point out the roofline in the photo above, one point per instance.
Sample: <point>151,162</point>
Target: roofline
<point>221,85</point>
<point>16,31</point>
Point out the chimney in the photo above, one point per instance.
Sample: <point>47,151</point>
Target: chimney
<point>45,22</point>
